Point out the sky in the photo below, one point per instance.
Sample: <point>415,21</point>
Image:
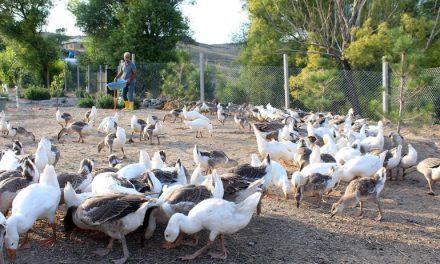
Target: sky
<point>211,21</point>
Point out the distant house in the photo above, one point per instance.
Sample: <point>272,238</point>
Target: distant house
<point>74,46</point>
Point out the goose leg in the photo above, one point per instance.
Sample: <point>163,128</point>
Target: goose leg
<point>123,157</point>
<point>131,138</point>
<point>25,243</point>
<point>125,250</point>
<point>198,252</point>
<point>197,134</point>
<point>430,182</point>
<point>104,251</point>
<point>361,207</point>
<point>379,217</point>
<point>51,241</point>
<point>79,139</point>
<point>140,136</point>
<point>201,134</point>
<point>223,254</point>
<point>158,142</point>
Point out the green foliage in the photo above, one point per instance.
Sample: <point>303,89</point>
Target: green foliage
<point>57,86</point>
<point>86,102</point>
<point>3,94</point>
<point>104,100</point>
<point>36,93</point>
<point>81,94</point>
<point>149,28</point>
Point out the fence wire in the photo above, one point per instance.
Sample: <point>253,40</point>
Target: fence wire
<point>260,85</point>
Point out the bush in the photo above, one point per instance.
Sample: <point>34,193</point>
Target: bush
<point>3,94</point>
<point>86,102</point>
<point>104,100</point>
<point>58,93</point>
<point>81,94</point>
<point>36,93</point>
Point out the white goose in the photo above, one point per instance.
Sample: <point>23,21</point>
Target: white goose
<point>52,152</point>
<point>205,215</point>
<point>46,194</point>
<point>109,124</point>
<point>193,115</point>
<point>114,214</point>
<point>91,115</point>
<point>110,182</point>
<point>9,161</point>
<point>135,170</point>
<point>198,125</point>
<point>376,142</point>
<point>153,130</point>
<point>63,118</point>
<point>277,151</point>
<point>41,158</point>
<point>409,160</point>
<point>329,146</point>
<point>361,166</point>
<point>137,126</point>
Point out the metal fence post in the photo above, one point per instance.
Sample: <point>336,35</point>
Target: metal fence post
<point>77,77</point>
<point>286,82</point>
<point>202,78</point>
<point>88,79</point>
<point>386,85</point>
<point>100,78</point>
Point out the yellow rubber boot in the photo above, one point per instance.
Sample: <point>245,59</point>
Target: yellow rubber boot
<point>131,105</point>
<point>126,105</point>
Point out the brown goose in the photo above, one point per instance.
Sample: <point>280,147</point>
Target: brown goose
<point>10,187</point>
<point>302,155</point>
<point>361,190</point>
<point>80,180</point>
<point>79,127</point>
<point>113,162</point>
<point>114,214</point>
<point>430,168</point>
<point>252,173</point>
<point>137,126</point>
<point>176,113</point>
<point>212,160</point>
<point>16,132</point>
<point>63,118</point>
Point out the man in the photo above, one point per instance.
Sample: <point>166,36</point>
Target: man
<point>128,73</point>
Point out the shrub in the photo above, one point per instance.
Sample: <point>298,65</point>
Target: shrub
<point>81,94</point>
<point>104,100</point>
<point>3,94</point>
<point>86,102</point>
<point>58,93</point>
<point>36,93</point>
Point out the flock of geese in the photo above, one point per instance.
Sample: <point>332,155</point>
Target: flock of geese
<point>325,150</point>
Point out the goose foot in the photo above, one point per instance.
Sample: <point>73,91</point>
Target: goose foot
<point>130,140</point>
<point>25,244</point>
<point>218,255</point>
<point>101,252</point>
<point>378,218</point>
<point>48,242</point>
<point>120,261</point>
<point>431,193</point>
<point>192,242</point>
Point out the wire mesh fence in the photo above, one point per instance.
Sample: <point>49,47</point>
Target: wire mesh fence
<point>260,85</point>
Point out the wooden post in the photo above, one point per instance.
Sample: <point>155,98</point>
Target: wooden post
<point>386,85</point>
<point>133,58</point>
<point>202,77</point>
<point>286,82</point>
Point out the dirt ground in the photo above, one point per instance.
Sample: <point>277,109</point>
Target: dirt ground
<point>409,232</point>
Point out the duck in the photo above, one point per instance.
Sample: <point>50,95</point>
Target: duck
<point>361,190</point>
<point>79,127</point>
<point>376,142</point>
<point>52,152</point>
<point>198,125</point>
<point>181,199</point>
<point>317,185</point>
<point>135,170</point>
<point>176,113</point>
<point>392,159</point>
<point>430,168</point>
<point>114,141</point>
<point>10,187</point>
<point>137,126</point>
<point>242,122</point>
<point>79,180</point>
<point>205,215</point>
<point>16,132</point>
<point>63,118</point>
<point>278,175</point>
<point>153,130</point>
<point>109,124</point>
<point>46,193</point>
<point>91,115</point>
<point>409,160</point>
<point>212,160</point>
<point>114,214</point>
<point>193,115</point>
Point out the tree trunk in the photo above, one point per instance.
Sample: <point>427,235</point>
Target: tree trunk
<point>350,89</point>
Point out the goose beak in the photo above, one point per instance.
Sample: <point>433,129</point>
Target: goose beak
<point>12,253</point>
<point>168,245</point>
<point>332,214</point>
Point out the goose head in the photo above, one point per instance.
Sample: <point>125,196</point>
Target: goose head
<point>337,208</point>
<point>86,166</point>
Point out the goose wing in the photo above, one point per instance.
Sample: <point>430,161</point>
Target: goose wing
<point>249,172</point>
<point>100,209</point>
<point>165,177</point>
<point>432,163</point>
<point>13,185</point>
<point>75,179</point>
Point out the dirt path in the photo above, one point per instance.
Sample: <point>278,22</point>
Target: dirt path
<point>409,233</point>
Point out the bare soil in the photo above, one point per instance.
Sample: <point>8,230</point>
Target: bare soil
<point>409,232</point>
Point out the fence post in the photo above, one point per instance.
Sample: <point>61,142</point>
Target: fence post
<point>386,85</point>
<point>286,82</point>
<point>100,78</point>
<point>202,77</point>
<point>133,58</point>
<point>65,76</point>
<point>47,79</point>
<point>77,77</point>
<point>88,79</point>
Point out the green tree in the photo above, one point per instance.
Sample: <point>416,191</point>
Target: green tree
<point>148,28</point>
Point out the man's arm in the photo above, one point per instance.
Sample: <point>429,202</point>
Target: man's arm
<point>117,76</point>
